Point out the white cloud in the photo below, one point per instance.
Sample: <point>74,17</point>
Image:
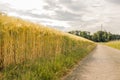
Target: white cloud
<point>25,4</point>
<point>67,14</point>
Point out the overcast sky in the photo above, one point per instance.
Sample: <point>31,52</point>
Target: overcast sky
<point>67,14</point>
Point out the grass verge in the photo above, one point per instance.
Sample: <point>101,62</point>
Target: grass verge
<point>45,68</point>
<point>114,44</point>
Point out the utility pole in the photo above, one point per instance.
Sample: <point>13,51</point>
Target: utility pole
<point>101,27</point>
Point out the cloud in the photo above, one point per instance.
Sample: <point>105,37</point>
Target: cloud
<point>67,14</point>
<point>73,10</point>
<point>115,1</point>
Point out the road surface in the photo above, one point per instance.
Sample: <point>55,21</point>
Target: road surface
<point>102,64</point>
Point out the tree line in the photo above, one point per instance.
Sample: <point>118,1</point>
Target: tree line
<point>99,36</point>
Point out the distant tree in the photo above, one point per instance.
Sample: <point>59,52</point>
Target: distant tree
<point>99,36</point>
<point>84,34</point>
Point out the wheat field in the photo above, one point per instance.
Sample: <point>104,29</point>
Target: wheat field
<point>23,42</point>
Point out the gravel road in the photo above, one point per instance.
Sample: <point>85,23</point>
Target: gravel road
<point>102,64</point>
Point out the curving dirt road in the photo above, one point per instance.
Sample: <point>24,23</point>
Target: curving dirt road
<point>102,64</point>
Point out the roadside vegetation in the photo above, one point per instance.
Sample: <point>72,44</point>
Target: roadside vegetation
<point>34,52</point>
<point>99,36</point>
<point>114,44</point>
